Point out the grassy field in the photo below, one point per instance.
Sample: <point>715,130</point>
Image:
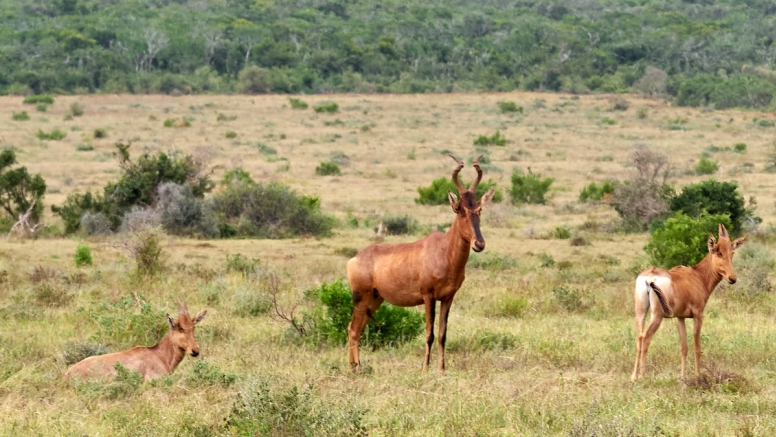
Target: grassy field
<point>521,360</point>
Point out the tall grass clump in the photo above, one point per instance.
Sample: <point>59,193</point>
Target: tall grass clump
<point>529,187</point>
<point>436,193</point>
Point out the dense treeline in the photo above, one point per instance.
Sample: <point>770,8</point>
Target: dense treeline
<point>701,52</point>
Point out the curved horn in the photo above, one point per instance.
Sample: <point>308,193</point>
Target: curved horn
<point>458,183</point>
<point>182,308</point>
<point>723,233</point>
<point>476,164</point>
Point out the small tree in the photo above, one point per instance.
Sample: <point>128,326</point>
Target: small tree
<point>645,196</point>
<point>254,80</point>
<point>19,189</point>
<point>682,240</point>
<point>529,188</point>
<point>712,197</point>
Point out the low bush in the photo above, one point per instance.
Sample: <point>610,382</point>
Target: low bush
<point>492,261</point>
<point>328,169</point>
<point>706,166</point>
<point>83,256</point>
<point>754,265</point>
<point>568,299</point>
<point>231,134</point>
<point>400,224</point>
<point>94,224</point>
<point>84,147</point>
<point>497,139</point>
<point>436,193</point>
<point>41,107</point>
<point>20,116</point>
<point>39,98</point>
<point>644,196</point>
<point>682,240</point>
<point>205,374</point>
<point>52,294</point>
<point>127,323</point>
<point>328,323</point>
<point>54,135</point>
<point>74,352</point>
<point>77,109</point>
<point>148,253</point>
<point>183,214</point>
<point>508,306</point>
<point>297,103</point>
<point>595,192</point>
<point>327,107</point>
<point>506,107</point>
<point>254,80</point>
<point>242,264</point>
<point>100,133</point>
<point>249,303</point>
<point>739,147</point>
<point>126,383</point>
<point>561,233</point>
<point>529,188</point>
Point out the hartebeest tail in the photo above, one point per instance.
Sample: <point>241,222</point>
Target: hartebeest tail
<point>429,270</point>
<point>660,297</point>
<point>682,293</point>
<point>151,362</point>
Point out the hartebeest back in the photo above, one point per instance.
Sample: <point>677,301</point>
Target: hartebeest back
<point>151,362</point>
<point>681,292</point>
<point>423,272</point>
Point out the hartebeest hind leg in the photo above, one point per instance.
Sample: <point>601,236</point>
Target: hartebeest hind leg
<point>444,311</point>
<point>364,307</point>
<point>680,326</point>
<point>654,324</point>
<point>641,315</point>
<point>430,304</point>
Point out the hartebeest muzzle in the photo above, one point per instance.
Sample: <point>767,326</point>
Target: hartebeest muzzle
<point>478,246</point>
<point>195,353</point>
<point>732,280</point>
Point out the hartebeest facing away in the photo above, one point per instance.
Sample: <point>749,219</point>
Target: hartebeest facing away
<point>423,272</point>
<point>681,292</point>
<point>151,362</point>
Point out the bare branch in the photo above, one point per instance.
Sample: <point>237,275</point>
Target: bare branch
<point>280,313</point>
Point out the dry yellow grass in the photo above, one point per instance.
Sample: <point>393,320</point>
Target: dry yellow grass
<point>544,371</point>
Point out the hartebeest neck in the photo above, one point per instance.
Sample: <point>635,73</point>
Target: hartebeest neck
<point>168,353</point>
<point>708,277</point>
<point>458,248</point>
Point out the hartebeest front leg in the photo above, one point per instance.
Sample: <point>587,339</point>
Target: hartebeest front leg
<point>680,326</point>
<point>430,304</point>
<point>444,311</point>
<point>697,331</point>
<point>364,307</point>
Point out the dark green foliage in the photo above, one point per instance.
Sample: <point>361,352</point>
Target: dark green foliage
<point>326,107</point>
<point>83,256</point>
<point>254,80</point>
<point>682,240</point>
<point>329,323</point>
<point>739,91</point>
<point>712,197</point>
<point>20,116</point>
<point>739,147</point>
<point>270,210</point>
<point>75,206</point>
<point>39,98</point>
<point>595,192</point>
<point>506,107</point>
<point>436,193</point>
<point>18,189</point>
<point>205,374</point>
<point>706,166</point>
<point>497,139</point>
<point>328,169</point>
<point>231,134</point>
<point>529,188</point>
<point>260,410</point>
<point>766,123</point>
<point>100,133</point>
<point>400,224</point>
<point>54,135</point>
<point>122,325</point>
<point>297,103</point>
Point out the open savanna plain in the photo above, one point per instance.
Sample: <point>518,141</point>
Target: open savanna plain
<point>541,338</point>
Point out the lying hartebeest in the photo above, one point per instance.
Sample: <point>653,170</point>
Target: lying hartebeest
<point>151,362</point>
<point>682,292</point>
<point>429,270</point>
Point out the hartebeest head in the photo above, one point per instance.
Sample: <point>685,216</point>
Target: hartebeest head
<point>468,207</point>
<point>182,330</point>
<point>722,253</point>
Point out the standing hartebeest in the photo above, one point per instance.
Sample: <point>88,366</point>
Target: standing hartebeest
<point>151,362</point>
<point>682,292</point>
<point>423,272</point>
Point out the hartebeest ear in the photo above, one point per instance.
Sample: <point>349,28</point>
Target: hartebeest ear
<point>740,242</point>
<point>712,243</point>
<point>171,321</point>
<point>200,317</point>
<point>453,201</point>
<point>722,231</point>
<point>487,197</point>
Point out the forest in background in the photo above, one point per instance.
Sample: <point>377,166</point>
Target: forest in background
<point>699,53</point>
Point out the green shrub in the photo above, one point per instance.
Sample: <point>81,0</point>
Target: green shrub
<point>20,116</point>
<point>52,294</point>
<point>529,188</point>
<point>508,307</point>
<point>712,197</point>
<point>242,264</point>
<point>619,103</point>
<point>231,134</point>
<point>682,240</point>
<point>561,233</point>
<point>84,147</point>
<point>436,193</point>
<point>328,169</point>
<point>327,106</point>
<point>400,224</point>
<point>642,112</point>
<point>608,121</point>
<point>266,150</point>
<point>739,147</point>
<point>205,374</point>
<point>254,80</point>
<point>297,103</point>
<point>595,192</point>
<point>41,107</point>
<point>766,123</point>
<point>122,325</point>
<point>54,135</point>
<point>706,166</point>
<point>505,107</point>
<point>83,256</point>
<point>389,326</point>
<point>126,383</point>
<point>100,133</point>
<point>569,299</point>
<point>148,254</point>
<point>491,261</point>
<point>739,91</point>
<point>77,109</point>
<point>268,211</point>
<point>74,352</point>
<point>39,98</point>
<point>170,122</point>
<point>497,139</point>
